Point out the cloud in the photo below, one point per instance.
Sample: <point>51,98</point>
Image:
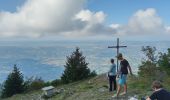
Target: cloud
<point>168,29</point>
<point>41,18</point>
<point>63,18</point>
<point>143,22</point>
<point>94,23</point>
<point>91,17</point>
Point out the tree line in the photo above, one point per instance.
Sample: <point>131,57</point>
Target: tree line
<point>76,68</point>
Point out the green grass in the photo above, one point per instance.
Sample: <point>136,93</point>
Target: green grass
<point>95,88</point>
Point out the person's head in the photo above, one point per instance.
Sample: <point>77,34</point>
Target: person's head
<point>156,85</point>
<point>120,56</point>
<point>112,61</point>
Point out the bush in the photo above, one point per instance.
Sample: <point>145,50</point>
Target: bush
<point>93,74</point>
<point>148,67</point>
<point>35,84</point>
<point>164,62</point>
<point>56,82</point>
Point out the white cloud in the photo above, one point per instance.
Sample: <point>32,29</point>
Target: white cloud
<point>68,18</point>
<point>168,29</point>
<point>91,17</point>
<point>41,18</point>
<point>143,22</point>
<point>94,23</point>
<point>115,26</point>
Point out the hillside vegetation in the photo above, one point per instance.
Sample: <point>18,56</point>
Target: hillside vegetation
<point>90,89</point>
<point>94,89</point>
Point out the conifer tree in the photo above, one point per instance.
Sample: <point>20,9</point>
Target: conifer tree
<point>14,83</point>
<point>76,68</point>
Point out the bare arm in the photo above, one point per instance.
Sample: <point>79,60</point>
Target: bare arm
<point>130,69</point>
<point>148,98</point>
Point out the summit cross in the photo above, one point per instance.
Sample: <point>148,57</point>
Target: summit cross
<point>117,47</point>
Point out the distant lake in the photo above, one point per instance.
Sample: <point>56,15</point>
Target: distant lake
<point>46,59</point>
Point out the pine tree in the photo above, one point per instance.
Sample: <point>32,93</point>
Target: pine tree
<point>14,83</point>
<point>76,68</point>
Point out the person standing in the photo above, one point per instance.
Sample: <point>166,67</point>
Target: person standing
<point>123,72</point>
<point>112,76</point>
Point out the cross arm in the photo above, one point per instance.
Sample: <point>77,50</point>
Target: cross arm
<point>116,46</point>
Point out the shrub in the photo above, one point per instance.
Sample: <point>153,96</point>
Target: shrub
<point>56,82</point>
<point>148,67</point>
<point>164,62</point>
<point>36,84</point>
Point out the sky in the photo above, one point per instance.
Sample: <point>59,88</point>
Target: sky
<point>84,19</point>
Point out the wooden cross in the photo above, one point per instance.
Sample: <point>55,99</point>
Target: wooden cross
<point>117,47</point>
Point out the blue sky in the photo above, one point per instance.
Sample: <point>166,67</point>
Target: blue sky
<point>117,11</point>
<point>93,18</point>
<point>120,10</point>
<point>10,5</point>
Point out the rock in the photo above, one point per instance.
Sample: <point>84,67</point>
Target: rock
<point>89,82</point>
<point>102,89</point>
<point>133,98</point>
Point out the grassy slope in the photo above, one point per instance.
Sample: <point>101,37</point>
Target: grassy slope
<point>91,89</point>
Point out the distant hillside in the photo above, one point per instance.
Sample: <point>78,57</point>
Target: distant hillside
<point>90,89</point>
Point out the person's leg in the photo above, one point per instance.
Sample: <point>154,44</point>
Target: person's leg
<point>110,83</point>
<point>120,82</point>
<point>114,81</point>
<point>118,90</point>
<point>125,84</point>
<point>125,87</point>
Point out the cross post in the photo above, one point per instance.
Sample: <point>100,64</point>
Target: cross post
<point>117,47</point>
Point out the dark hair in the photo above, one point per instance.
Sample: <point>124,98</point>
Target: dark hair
<point>112,60</point>
<point>156,84</point>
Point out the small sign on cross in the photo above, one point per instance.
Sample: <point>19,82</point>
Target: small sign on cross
<point>117,47</point>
